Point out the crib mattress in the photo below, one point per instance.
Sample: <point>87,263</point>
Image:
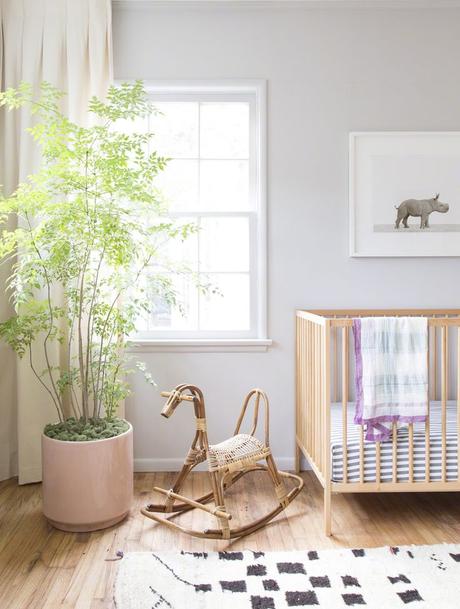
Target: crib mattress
<point>386,449</point>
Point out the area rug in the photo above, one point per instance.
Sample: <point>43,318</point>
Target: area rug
<point>380,578</point>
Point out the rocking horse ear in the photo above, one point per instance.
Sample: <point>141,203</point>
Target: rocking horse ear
<point>167,410</point>
<point>436,196</point>
<point>171,402</point>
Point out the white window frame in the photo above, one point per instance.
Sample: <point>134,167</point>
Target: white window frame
<point>254,92</point>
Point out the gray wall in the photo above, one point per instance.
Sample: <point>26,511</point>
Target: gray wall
<point>329,72</point>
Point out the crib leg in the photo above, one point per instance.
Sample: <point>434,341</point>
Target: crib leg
<point>327,511</point>
<point>298,458</point>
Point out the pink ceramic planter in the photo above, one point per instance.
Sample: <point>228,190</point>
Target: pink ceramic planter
<point>87,485</point>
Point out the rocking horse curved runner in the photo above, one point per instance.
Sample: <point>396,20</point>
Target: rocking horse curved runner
<point>227,462</point>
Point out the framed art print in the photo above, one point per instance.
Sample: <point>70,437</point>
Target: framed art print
<point>405,194</point>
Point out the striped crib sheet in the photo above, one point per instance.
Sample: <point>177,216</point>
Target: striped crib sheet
<point>386,451</point>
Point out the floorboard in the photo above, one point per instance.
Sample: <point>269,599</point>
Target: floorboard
<point>42,568</point>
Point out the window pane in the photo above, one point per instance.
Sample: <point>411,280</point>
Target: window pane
<point>183,316</point>
<point>228,310</point>
<point>176,129</point>
<point>130,127</point>
<point>224,244</point>
<point>224,130</point>
<point>138,125</point>
<point>181,255</point>
<point>179,185</point>
<point>224,185</point>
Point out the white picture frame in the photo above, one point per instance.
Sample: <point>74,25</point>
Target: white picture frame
<point>407,170</point>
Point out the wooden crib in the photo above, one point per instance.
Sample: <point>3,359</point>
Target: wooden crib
<point>413,460</point>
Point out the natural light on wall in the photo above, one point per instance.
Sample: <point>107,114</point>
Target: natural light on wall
<point>213,180</point>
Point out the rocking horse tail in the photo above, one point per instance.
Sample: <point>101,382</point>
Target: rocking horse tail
<point>257,394</point>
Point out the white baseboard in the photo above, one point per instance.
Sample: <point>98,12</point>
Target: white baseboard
<point>28,475</point>
<point>7,472</point>
<point>174,464</point>
<point>34,474</point>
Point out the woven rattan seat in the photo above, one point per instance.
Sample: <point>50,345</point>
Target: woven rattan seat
<point>227,462</point>
<point>234,450</point>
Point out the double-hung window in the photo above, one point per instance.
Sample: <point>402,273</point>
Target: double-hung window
<point>214,137</point>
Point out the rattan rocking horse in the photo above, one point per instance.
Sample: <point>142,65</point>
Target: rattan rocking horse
<point>227,463</point>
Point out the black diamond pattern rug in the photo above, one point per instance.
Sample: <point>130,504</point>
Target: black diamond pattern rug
<point>415,577</point>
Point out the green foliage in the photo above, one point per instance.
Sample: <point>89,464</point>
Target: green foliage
<point>91,229</point>
<point>85,430</point>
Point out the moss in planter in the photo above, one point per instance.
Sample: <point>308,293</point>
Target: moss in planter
<point>81,430</point>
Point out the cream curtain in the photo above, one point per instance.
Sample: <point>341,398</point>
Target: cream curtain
<point>67,43</point>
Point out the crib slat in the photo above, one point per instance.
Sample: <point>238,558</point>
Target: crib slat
<point>297,388</point>
<point>302,406</point>
<point>458,403</point>
<point>395,452</point>
<point>306,378</point>
<point>334,332</point>
<point>411,452</point>
<point>313,386</point>
<point>444,397</point>
<point>427,422</point>
<point>325,386</point>
<point>377,461</point>
<point>319,401</point>
<point>435,362</point>
<point>311,350</point>
<point>345,373</point>
<point>303,372</point>
<point>317,410</point>
<point>317,355</point>
<point>319,405</point>
<point>309,380</point>
<point>326,379</point>
<point>361,454</point>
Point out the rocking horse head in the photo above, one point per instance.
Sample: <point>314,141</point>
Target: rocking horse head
<point>188,393</point>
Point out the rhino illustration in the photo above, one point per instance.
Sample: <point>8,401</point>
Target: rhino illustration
<point>420,208</point>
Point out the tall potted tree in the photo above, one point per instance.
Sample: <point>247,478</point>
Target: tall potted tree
<point>86,254</point>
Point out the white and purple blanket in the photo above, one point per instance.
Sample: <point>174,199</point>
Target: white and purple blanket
<point>391,373</point>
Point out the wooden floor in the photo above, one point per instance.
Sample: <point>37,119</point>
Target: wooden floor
<point>41,568</point>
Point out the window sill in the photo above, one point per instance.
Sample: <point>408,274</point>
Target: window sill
<point>206,345</point>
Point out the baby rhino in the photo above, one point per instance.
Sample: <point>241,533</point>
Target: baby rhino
<point>420,208</point>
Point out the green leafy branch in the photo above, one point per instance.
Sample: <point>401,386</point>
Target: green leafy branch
<point>90,227</point>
